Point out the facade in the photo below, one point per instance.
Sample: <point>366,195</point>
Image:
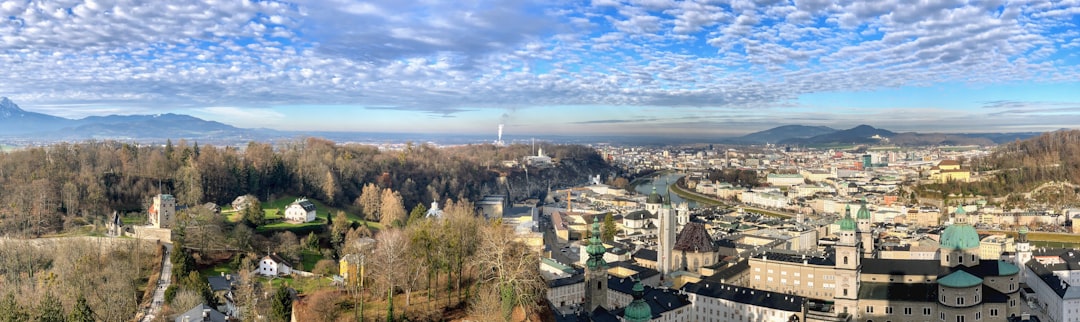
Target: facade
<point>300,211</point>
<point>273,265</point>
<point>786,180</point>
<point>1054,275</point>
<point>712,301</point>
<point>162,211</point>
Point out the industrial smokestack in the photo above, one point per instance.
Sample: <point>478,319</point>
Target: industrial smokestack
<point>500,132</point>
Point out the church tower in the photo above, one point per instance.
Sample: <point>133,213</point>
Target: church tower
<point>596,277</point>
<point>848,262</point>
<point>652,204</point>
<point>638,310</point>
<point>865,231</point>
<point>666,235</point>
<point>1023,252</point>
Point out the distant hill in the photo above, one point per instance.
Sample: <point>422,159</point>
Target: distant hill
<point>15,122</point>
<point>782,133</point>
<point>862,134</point>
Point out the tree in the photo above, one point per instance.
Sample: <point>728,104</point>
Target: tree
<point>511,268</point>
<point>417,213</point>
<point>81,312</point>
<point>369,200</point>
<point>325,267</point>
<point>609,228</point>
<point>252,213</point>
<point>10,311</point>
<point>49,309</point>
<point>339,228</point>
<point>393,210</point>
<point>281,304</point>
<point>186,299</point>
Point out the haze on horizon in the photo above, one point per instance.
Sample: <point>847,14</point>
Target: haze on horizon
<point>638,67</point>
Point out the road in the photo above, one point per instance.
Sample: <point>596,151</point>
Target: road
<point>162,284</point>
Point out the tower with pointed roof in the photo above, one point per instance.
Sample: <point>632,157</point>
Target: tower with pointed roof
<point>596,277</point>
<point>638,310</point>
<point>1023,251</point>
<point>848,262</point>
<point>653,202</point>
<point>865,231</point>
<point>666,236</point>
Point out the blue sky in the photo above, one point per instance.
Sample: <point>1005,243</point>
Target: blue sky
<point>637,67</point>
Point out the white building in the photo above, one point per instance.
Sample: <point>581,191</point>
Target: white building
<point>302,210</point>
<point>273,265</point>
<point>1056,282</point>
<point>712,301</point>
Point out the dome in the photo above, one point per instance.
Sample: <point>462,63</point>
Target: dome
<point>960,210</point>
<point>959,236</point>
<point>863,212</point>
<point>959,279</point>
<point>1023,230</point>
<point>638,310</point>
<point>847,223</point>
<point>654,198</point>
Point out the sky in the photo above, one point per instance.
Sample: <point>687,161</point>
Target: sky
<point>610,67</point>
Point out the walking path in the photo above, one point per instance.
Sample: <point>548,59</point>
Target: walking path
<point>162,284</point>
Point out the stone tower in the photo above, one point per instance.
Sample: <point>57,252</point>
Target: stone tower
<point>163,211</point>
<point>865,231</point>
<point>596,277</point>
<point>848,262</point>
<point>666,236</point>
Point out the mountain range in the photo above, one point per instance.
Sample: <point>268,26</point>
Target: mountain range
<point>18,123</point>
<point>869,135</point>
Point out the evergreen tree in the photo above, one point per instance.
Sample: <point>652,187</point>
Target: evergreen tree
<point>609,228</point>
<point>417,213</point>
<point>10,311</point>
<point>81,312</point>
<point>253,214</point>
<point>50,309</point>
<point>281,305</point>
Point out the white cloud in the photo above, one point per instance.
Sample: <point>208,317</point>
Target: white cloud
<point>447,56</point>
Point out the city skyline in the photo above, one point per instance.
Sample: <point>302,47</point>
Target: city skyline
<point>604,67</point>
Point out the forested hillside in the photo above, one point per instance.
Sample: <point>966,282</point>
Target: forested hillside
<point>1023,165</point>
<point>45,189</point>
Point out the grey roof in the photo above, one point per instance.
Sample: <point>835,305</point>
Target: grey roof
<point>646,254</point>
<point>639,215</point>
<point>694,238</point>
<point>195,314</point>
<point>773,300</point>
<point>306,204</point>
<point>928,267</point>
<point>911,292</point>
<point>221,283</point>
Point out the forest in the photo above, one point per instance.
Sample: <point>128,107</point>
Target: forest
<point>45,190</point>
<point>1018,167</point>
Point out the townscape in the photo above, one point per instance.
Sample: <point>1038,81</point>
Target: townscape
<point>674,233</point>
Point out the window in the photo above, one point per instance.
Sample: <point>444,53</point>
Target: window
<point>598,285</point>
<point>978,315</point>
<point>943,316</point>
<point>925,311</point>
<point>961,258</point>
<point>888,310</point>
<point>959,300</point>
<point>845,260</point>
<point>959,318</point>
<point>869,309</point>
<point>845,292</point>
<point>972,257</point>
<point>907,311</point>
<point>993,312</point>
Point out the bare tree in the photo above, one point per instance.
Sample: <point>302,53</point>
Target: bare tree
<point>392,209</point>
<point>390,260</point>
<point>511,267</point>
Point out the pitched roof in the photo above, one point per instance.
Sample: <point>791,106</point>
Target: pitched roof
<point>306,204</point>
<point>195,314</point>
<point>778,301</point>
<point>960,279</point>
<point>274,257</point>
<point>694,238</point>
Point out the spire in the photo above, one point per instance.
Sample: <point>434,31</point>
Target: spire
<point>847,223</point>
<point>596,248</point>
<point>667,200</point>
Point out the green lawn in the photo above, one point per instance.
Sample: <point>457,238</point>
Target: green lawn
<point>216,270</point>
<point>301,229</point>
<point>308,259</point>
<point>301,284</point>
<point>273,208</point>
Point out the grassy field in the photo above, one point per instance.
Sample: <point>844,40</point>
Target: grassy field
<point>1044,239</point>
<point>272,211</point>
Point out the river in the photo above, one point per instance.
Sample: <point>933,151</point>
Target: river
<point>661,181</point>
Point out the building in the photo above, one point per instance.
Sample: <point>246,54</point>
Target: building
<point>1054,276</point>
<point>300,211</point>
<point>712,301</point>
<point>693,248</point>
<point>595,272</point>
<point>784,180</point>
<point>201,313</point>
<point>162,211</point>
<point>273,265</point>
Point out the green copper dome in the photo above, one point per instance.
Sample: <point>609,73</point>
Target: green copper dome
<point>654,198</point>
<point>596,248</point>
<point>960,210</point>
<point>1023,230</point>
<point>847,223</point>
<point>959,279</point>
<point>638,310</point>
<point>863,213</point>
<point>959,236</point>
